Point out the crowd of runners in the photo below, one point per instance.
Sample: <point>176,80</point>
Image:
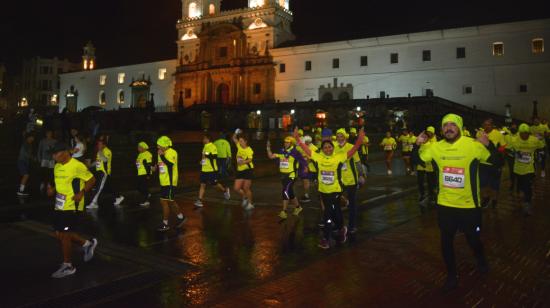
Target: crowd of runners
<point>458,172</point>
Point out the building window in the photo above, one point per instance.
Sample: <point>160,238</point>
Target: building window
<point>102,80</point>
<point>282,68</point>
<point>461,52</point>
<point>45,70</point>
<point>53,100</point>
<point>120,97</point>
<point>121,77</point>
<point>194,10</point>
<point>162,73</point>
<point>394,58</point>
<point>537,46</point>
<point>308,65</point>
<point>188,93</point>
<point>335,63</point>
<point>523,88</point>
<point>223,52</point>
<point>498,49</point>
<point>364,60</point>
<point>426,55</point>
<point>257,88</point>
<point>102,99</point>
<point>467,89</point>
<point>212,9</point>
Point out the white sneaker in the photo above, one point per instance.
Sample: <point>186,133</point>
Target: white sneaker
<point>389,172</point>
<point>249,206</point>
<point>227,194</point>
<point>244,203</point>
<point>22,193</point>
<point>145,204</point>
<point>64,270</point>
<point>92,205</point>
<point>89,250</point>
<point>542,173</point>
<point>198,203</point>
<point>119,200</point>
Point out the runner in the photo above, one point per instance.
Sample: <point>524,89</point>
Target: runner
<point>540,131</point>
<point>290,161</point>
<point>103,174</point>
<point>489,174</point>
<point>79,149</point>
<point>168,178</point>
<point>245,169</point>
<point>209,170</point>
<point>351,174</point>
<point>456,160</point>
<point>510,155</point>
<point>364,154</point>
<point>525,147</point>
<point>466,132</point>
<point>224,155</point>
<point>311,174</point>
<point>24,163</point>
<point>425,174</point>
<point>389,145</point>
<point>329,171</point>
<point>406,149</point>
<point>47,163</point>
<point>72,181</point>
<point>144,164</point>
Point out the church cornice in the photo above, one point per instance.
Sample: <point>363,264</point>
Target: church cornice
<point>238,13</point>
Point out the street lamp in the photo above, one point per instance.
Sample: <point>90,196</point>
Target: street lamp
<point>258,112</point>
<point>292,111</point>
<point>358,108</point>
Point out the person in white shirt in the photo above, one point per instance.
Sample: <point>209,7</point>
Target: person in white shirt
<point>79,148</point>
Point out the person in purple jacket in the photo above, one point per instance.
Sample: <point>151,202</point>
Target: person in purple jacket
<point>291,164</point>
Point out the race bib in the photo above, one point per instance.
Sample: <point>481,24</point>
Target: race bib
<point>388,147</point>
<point>283,164</point>
<point>327,177</point>
<point>453,177</point>
<point>524,157</point>
<point>162,168</point>
<point>60,201</point>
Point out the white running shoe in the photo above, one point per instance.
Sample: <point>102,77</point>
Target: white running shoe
<point>92,205</point>
<point>145,204</point>
<point>227,194</point>
<point>542,173</point>
<point>119,200</point>
<point>249,206</point>
<point>244,203</point>
<point>22,193</point>
<point>389,172</point>
<point>89,250</point>
<point>64,270</point>
<point>198,203</point>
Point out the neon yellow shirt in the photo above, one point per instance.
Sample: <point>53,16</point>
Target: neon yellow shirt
<point>407,142</point>
<point>242,155</point>
<point>389,144</point>
<point>329,174</point>
<point>224,148</point>
<point>144,156</point>
<point>364,146</point>
<point>311,165</point>
<point>288,165</point>
<point>168,175</point>
<point>496,137</point>
<point>349,172</point>
<point>209,165</point>
<point>429,167</point>
<point>457,166</point>
<point>69,180</point>
<point>525,154</point>
<point>540,131</point>
<point>100,164</point>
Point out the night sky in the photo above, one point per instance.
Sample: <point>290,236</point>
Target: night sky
<point>135,31</point>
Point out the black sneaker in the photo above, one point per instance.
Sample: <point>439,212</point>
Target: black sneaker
<point>181,222</point>
<point>450,284</point>
<point>305,199</point>
<point>163,228</point>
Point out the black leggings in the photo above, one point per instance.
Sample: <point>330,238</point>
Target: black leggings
<point>288,188</point>
<point>525,185</point>
<point>430,179</point>
<point>143,187</point>
<point>352,208</point>
<point>452,220</point>
<point>332,214</point>
<point>513,176</point>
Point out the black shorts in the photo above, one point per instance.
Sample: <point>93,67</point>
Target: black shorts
<point>406,154</point>
<point>66,221</point>
<point>247,174</point>
<point>167,193</point>
<point>209,178</point>
<point>288,187</point>
<point>452,219</point>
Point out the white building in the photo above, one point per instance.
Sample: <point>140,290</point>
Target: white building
<point>486,66</point>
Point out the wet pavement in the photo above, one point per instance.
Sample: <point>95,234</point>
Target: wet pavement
<point>227,256</point>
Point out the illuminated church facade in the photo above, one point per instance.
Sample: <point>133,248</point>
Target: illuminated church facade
<point>248,56</point>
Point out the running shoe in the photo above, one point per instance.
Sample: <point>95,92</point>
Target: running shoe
<point>542,174</point>
<point>145,204</point>
<point>181,221</point>
<point>249,206</point>
<point>227,194</point>
<point>163,228</point>
<point>92,205</point>
<point>198,203</point>
<point>343,235</point>
<point>64,271</point>
<point>297,210</point>
<point>324,244</point>
<point>352,230</point>
<point>283,215</point>
<point>305,199</point>
<point>89,250</point>
<point>244,202</point>
<point>22,193</point>
<point>390,172</point>
<point>119,200</point>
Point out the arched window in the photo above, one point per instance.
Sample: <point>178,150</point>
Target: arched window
<point>120,97</point>
<point>194,10</point>
<point>211,9</point>
<point>285,4</point>
<point>102,99</point>
<point>255,3</point>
